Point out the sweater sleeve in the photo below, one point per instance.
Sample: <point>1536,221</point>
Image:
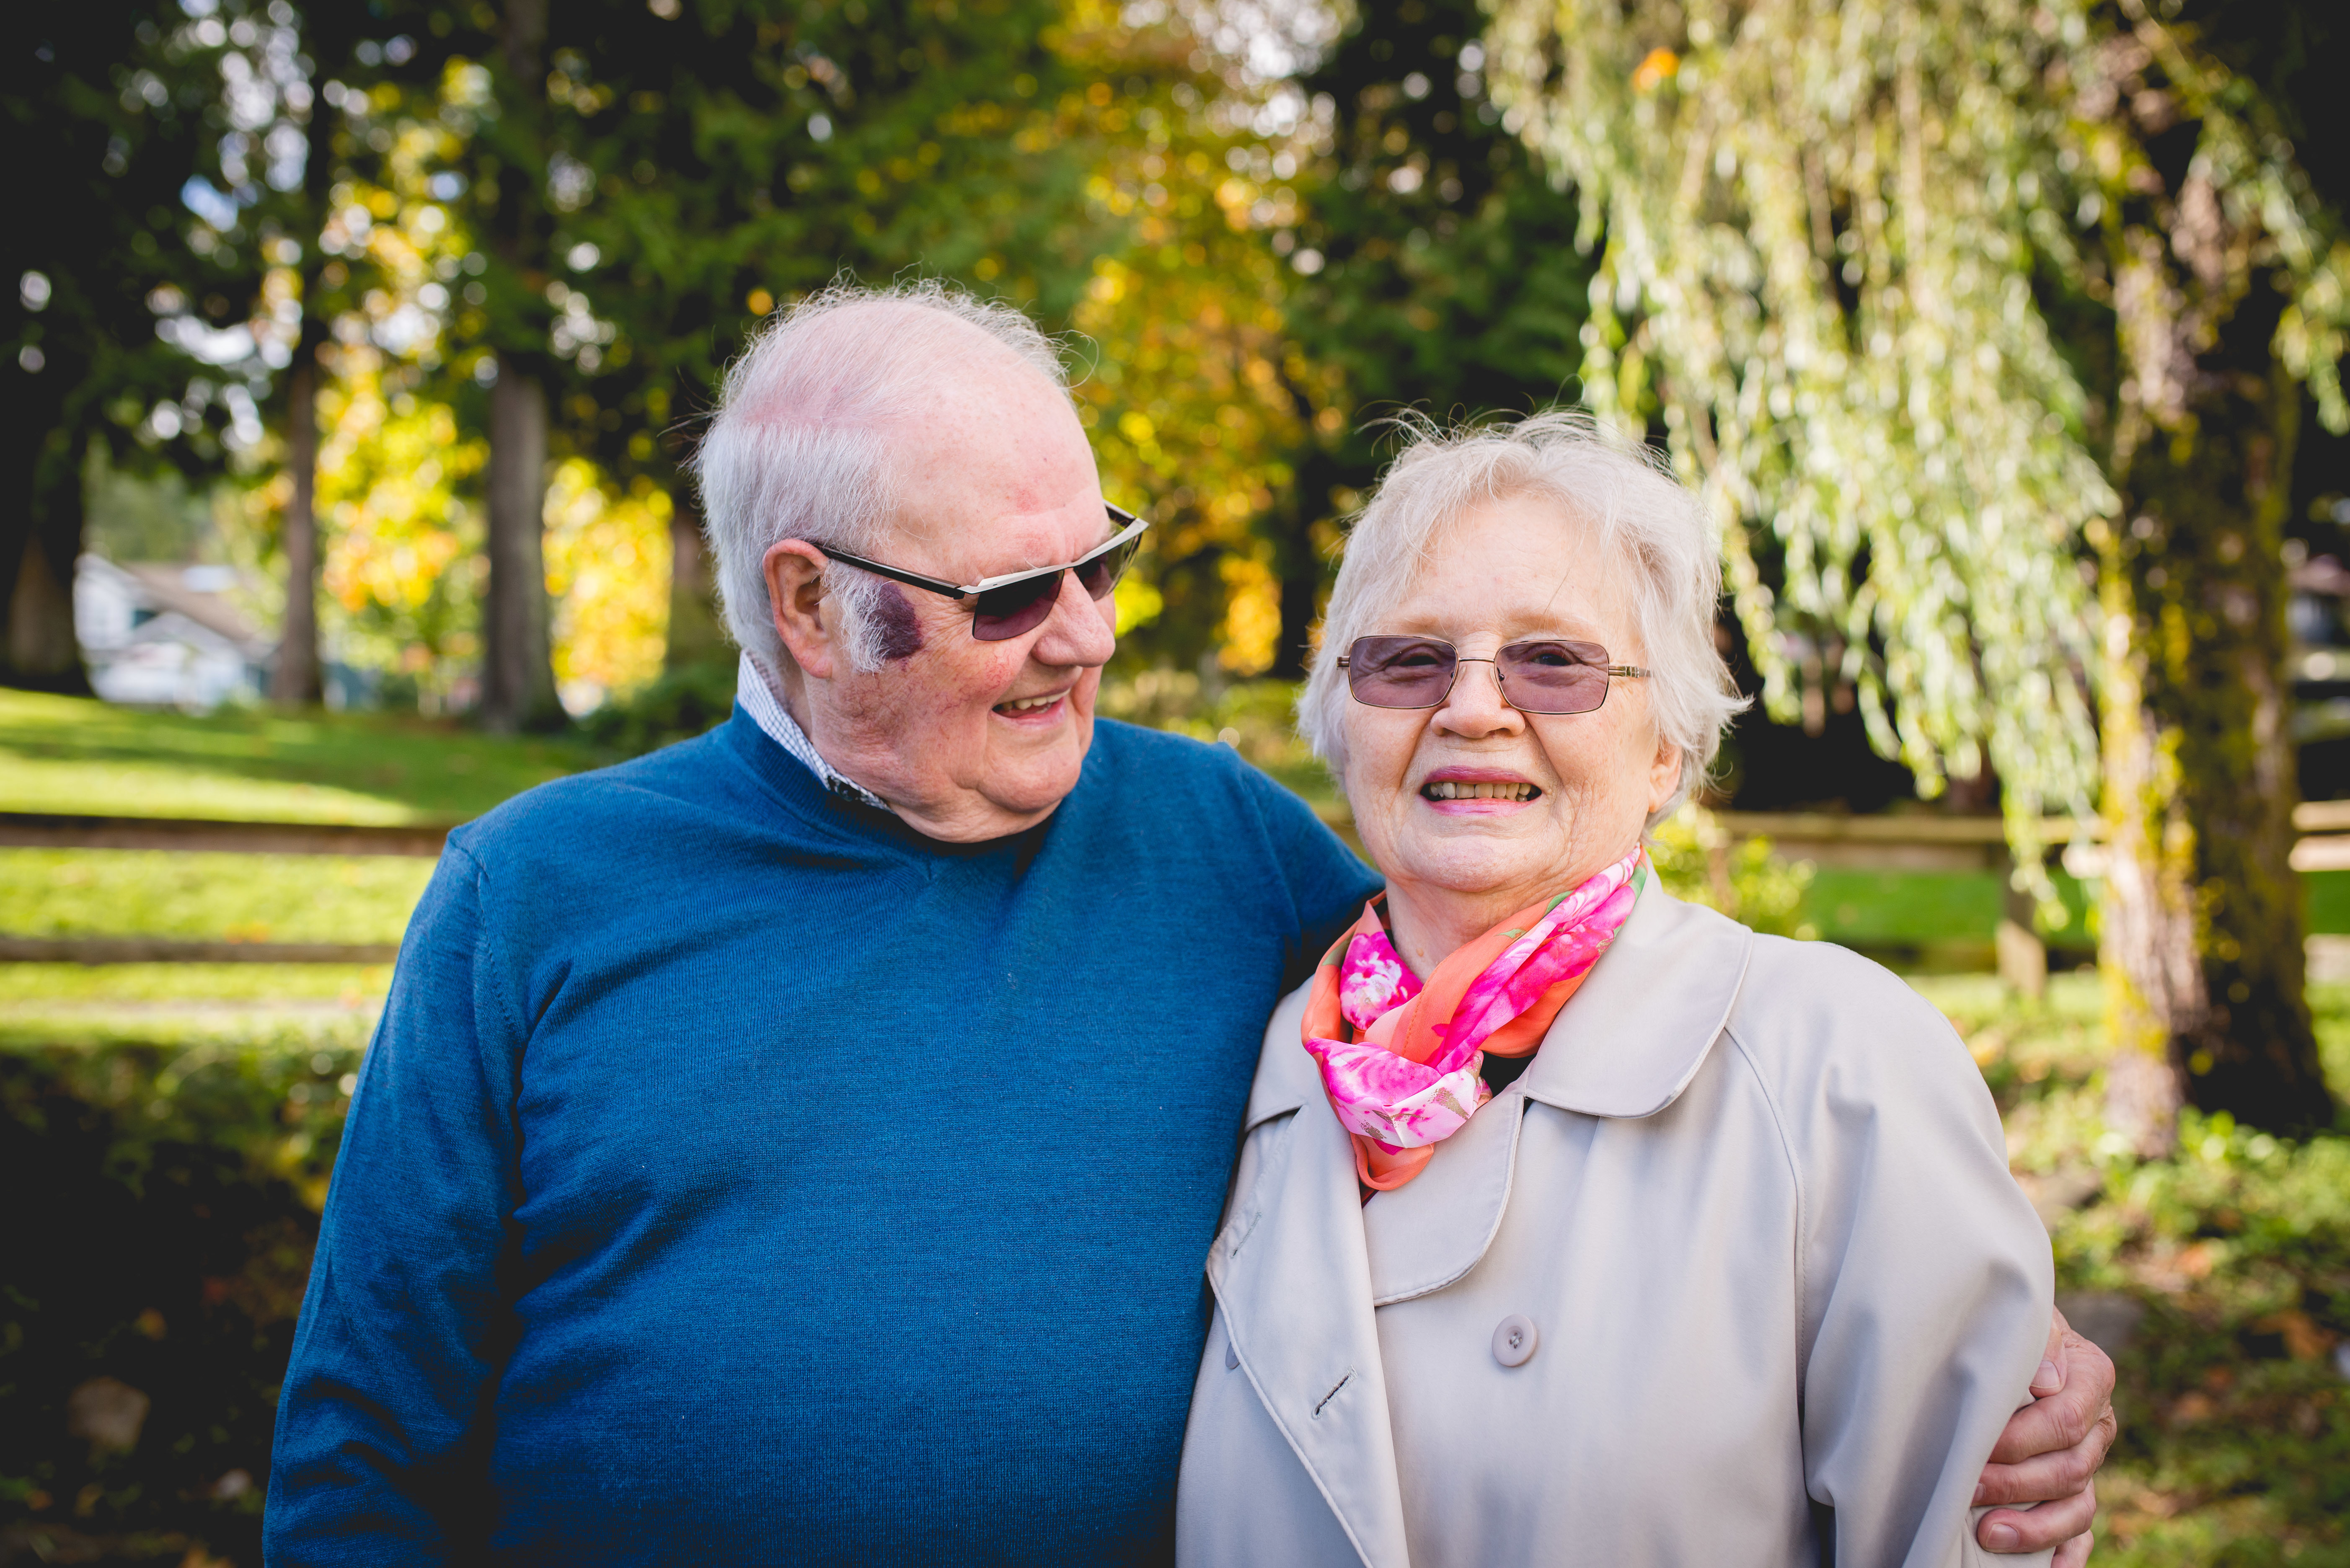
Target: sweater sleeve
<point>381,1428</point>
<point>1927,1283</point>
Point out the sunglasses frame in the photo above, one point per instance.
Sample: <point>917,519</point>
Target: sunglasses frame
<point>1612,671</point>
<point>1132,529</point>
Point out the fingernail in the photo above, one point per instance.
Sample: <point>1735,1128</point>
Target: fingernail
<point>1979,1489</point>
<point>2048,1376</point>
<point>2002,1536</point>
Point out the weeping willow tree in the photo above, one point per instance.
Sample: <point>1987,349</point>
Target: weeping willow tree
<point>1984,324</point>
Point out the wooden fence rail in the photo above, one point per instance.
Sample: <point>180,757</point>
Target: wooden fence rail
<point>1899,842</point>
<point>159,950</point>
<point>42,830</point>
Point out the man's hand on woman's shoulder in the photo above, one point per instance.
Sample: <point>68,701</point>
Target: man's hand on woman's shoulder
<point>2050,1453</point>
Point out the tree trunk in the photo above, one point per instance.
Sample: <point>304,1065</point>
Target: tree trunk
<point>2203,957</point>
<point>42,540</point>
<point>42,652</point>
<point>1295,561</point>
<point>517,676</point>
<point>517,679</point>
<point>295,682</point>
<point>695,635</point>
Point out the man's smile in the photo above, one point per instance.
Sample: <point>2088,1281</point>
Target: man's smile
<point>1031,708</point>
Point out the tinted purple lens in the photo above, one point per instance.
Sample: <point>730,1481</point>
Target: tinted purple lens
<point>1553,676</point>
<point>1401,672</point>
<point>1548,675</point>
<point>1100,575</point>
<point>1015,607</point>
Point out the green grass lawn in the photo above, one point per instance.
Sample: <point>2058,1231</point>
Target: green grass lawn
<point>243,1005</point>
<point>75,755</point>
<point>1883,909</point>
<point>241,897</point>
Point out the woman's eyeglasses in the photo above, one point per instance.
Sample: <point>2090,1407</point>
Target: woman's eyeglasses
<point>1540,675</point>
<point>1006,606</point>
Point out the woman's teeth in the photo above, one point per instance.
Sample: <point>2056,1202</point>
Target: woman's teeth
<point>1452,790</point>
<point>1028,704</point>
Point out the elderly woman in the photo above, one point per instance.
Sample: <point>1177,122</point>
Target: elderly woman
<point>1534,1112</point>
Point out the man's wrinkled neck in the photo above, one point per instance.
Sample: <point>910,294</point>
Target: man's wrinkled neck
<point>958,820</point>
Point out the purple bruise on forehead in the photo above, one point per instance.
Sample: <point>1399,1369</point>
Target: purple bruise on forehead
<point>893,617</point>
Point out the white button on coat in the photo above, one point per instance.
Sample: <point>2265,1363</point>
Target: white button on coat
<point>1515,1340</point>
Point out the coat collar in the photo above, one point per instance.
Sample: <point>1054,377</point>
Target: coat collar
<point>1301,1265</point>
<point>1628,1044</point>
<point>1644,1022</point>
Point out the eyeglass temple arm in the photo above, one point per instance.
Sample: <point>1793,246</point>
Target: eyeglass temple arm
<point>912,580</point>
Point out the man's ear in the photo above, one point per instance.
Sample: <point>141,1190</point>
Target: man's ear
<point>795,573</point>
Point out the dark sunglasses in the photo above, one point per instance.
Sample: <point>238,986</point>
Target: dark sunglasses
<point>1006,606</point>
<point>1541,675</point>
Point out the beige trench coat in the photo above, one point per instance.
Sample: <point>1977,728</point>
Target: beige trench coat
<point>1753,1198</point>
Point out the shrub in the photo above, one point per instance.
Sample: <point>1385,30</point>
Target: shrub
<point>161,1215</point>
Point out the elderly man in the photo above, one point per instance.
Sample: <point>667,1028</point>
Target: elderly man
<point>802,1144</point>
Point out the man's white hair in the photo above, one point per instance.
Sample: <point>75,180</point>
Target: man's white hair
<point>1627,498</point>
<point>799,445</point>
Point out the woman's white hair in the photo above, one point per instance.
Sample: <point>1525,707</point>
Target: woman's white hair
<point>798,448</point>
<point>1621,491</point>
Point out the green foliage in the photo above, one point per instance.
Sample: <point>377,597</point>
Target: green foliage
<point>2239,1252</point>
<point>160,1236</point>
<point>678,705</point>
<point>1447,277</point>
<point>1697,861</point>
<point>105,124</point>
<point>131,519</point>
<point>675,175</point>
<point>2222,1275</point>
<point>1822,229</point>
<point>1255,718</point>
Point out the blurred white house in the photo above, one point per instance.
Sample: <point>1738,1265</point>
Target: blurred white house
<point>166,636</point>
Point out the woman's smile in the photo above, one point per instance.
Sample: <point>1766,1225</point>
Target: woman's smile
<point>1479,792</point>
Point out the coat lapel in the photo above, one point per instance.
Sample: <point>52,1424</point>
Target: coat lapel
<point>1626,1045</point>
<point>1290,1274</point>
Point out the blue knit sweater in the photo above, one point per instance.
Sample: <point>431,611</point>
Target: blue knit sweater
<point>739,1176</point>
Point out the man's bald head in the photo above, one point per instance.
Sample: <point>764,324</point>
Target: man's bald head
<point>839,413</point>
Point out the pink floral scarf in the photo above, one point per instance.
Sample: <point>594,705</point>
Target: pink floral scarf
<point>1400,1057</point>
